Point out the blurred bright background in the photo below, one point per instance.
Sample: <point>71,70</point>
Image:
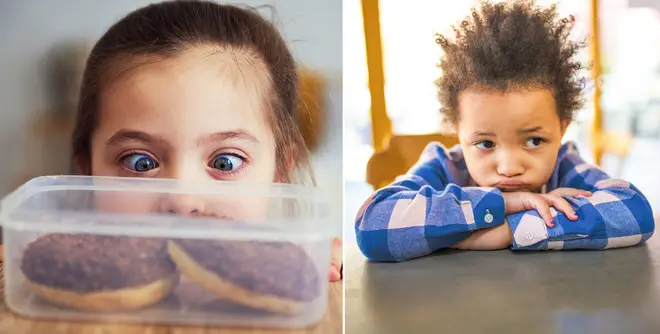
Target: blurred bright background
<point>43,46</point>
<point>630,52</point>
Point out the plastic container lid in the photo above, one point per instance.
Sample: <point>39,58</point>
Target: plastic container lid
<point>152,207</point>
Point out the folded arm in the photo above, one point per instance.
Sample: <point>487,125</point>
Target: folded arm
<point>616,214</point>
<point>423,212</point>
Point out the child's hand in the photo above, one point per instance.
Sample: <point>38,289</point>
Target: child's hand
<point>494,238</point>
<point>522,201</point>
<point>336,264</point>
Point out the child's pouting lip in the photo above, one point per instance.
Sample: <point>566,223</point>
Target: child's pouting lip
<point>510,186</point>
<point>513,189</point>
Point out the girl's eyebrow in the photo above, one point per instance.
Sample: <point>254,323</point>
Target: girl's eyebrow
<point>126,135</point>
<point>226,135</point>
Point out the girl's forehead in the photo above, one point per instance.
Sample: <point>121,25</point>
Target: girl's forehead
<point>208,89</point>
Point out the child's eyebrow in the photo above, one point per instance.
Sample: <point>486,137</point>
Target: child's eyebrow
<point>483,134</point>
<point>225,135</point>
<point>126,135</point>
<point>530,130</point>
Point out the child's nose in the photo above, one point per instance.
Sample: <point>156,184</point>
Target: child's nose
<point>509,165</point>
<point>183,205</point>
<point>186,168</point>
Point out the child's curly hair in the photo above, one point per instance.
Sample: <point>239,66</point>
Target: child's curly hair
<point>508,45</point>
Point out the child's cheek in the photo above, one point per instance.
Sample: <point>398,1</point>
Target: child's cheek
<point>125,202</point>
<point>256,210</point>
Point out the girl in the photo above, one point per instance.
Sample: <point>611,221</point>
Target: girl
<point>192,90</point>
<point>510,86</point>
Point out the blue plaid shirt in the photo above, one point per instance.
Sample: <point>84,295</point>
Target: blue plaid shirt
<point>437,204</point>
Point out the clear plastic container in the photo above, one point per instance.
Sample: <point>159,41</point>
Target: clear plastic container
<point>163,251</point>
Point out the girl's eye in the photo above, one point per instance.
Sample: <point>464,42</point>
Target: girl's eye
<point>534,142</point>
<point>139,163</point>
<point>226,162</point>
<point>486,144</point>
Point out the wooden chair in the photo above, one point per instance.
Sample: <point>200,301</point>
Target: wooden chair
<point>393,156</point>
<point>401,153</point>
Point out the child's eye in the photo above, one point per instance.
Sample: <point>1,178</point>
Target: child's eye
<point>139,163</point>
<point>485,145</point>
<point>226,162</point>
<point>534,142</point>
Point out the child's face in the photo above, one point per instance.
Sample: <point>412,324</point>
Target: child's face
<point>510,140</point>
<point>199,116</point>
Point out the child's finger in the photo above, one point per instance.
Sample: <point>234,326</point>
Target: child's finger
<point>334,275</point>
<point>542,207</point>
<point>584,193</point>
<point>579,193</point>
<point>570,192</point>
<point>562,205</point>
<point>337,250</point>
<point>336,260</point>
<point>336,246</point>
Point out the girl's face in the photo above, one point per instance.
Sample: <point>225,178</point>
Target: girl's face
<point>510,141</point>
<point>199,116</point>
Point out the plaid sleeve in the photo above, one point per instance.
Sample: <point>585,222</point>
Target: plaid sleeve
<point>616,215</point>
<point>423,211</point>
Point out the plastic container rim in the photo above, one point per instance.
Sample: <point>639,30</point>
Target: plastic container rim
<point>79,222</point>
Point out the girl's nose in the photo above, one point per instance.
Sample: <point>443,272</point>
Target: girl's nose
<point>183,205</point>
<point>187,170</point>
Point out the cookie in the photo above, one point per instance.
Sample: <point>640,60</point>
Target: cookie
<point>99,273</point>
<point>273,276</point>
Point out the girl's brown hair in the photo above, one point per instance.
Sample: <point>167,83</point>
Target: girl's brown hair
<point>167,29</point>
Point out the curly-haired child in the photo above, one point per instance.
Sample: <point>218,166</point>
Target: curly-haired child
<point>510,85</point>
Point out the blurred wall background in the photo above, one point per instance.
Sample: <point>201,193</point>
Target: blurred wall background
<point>30,30</point>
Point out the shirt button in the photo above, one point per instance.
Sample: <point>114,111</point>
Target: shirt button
<point>488,218</point>
<point>529,236</point>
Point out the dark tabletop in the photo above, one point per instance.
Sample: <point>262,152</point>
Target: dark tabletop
<point>612,291</point>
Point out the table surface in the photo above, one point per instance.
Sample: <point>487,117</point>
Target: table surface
<point>612,291</point>
<point>10,323</point>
